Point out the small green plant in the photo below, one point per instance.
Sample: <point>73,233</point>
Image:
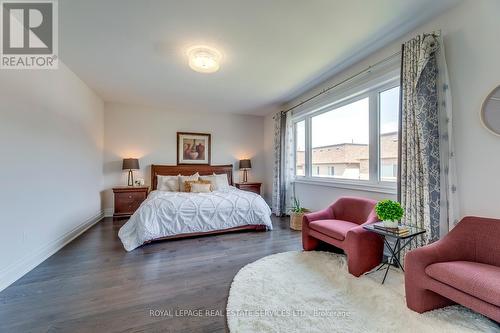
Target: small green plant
<point>296,208</point>
<point>389,210</point>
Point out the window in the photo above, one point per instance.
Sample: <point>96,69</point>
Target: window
<point>340,139</point>
<point>389,125</point>
<point>389,172</point>
<point>352,140</point>
<point>300,147</point>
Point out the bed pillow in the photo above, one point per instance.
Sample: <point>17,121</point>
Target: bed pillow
<point>220,182</point>
<point>184,179</point>
<point>199,187</point>
<point>210,179</point>
<point>168,183</point>
<point>188,184</point>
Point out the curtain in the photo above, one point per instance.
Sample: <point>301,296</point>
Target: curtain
<point>277,202</point>
<point>283,171</point>
<point>428,187</point>
<point>449,213</point>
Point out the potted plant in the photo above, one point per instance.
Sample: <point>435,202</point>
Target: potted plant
<point>296,214</point>
<point>390,212</point>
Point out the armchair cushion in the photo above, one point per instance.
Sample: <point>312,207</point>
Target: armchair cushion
<point>476,279</point>
<point>333,228</point>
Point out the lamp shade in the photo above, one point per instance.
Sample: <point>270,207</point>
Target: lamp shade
<point>130,164</point>
<point>245,164</point>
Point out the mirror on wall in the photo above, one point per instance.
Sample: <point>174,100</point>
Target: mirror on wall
<point>490,112</point>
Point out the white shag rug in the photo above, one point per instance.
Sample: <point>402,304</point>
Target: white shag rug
<point>313,292</point>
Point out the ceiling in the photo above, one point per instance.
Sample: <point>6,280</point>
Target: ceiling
<point>134,51</point>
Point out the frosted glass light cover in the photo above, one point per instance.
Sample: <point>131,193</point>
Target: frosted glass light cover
<point>204,59</point>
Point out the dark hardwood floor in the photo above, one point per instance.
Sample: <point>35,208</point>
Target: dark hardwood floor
<point>94,285</point>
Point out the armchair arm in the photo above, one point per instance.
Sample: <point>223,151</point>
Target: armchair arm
<point>325,214</point>
<point>422,257</point>
<point>440,251</point>
<point>364,250</point>
<point>355,235</point>
<point>372,218</point>
<point>308,242</point>
<point>369,221</point>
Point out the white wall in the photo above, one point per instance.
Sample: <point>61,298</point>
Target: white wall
<point>51,138</point>
<point>150,135</point>
<point>470,33</point>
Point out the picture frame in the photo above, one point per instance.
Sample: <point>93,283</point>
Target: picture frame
<point>194,148</point>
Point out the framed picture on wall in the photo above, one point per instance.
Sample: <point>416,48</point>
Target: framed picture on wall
<point>193,148</point>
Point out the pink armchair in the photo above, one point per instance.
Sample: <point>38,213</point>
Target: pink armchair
<point>463,267</point>
<point>341,225</point>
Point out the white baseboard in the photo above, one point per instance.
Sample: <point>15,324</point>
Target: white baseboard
<point>108,212</point>
<point>12,273</point>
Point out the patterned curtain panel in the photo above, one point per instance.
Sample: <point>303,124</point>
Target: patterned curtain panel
<point>283,172</point>
<point>426,145</point>
<point>277,202</point>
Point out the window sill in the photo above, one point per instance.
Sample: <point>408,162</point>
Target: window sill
<point>351,185</point>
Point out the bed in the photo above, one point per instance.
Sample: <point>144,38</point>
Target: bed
<point>172,215</point>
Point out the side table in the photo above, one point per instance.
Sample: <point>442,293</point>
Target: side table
<point>400,239</point>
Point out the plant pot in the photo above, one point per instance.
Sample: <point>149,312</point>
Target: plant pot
<point>391,224</point>
<point>296,221</point>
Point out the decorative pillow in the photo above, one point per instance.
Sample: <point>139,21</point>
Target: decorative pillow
<point>210,179</point>
<point>183,179</point>
<point>168,183</point>
<point>189,183</point>
<point>198,187</point>
<point>221,183</point>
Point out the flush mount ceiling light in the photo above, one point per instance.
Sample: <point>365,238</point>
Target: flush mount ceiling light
<point>204,59</point>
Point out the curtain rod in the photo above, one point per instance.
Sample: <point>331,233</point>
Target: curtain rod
<point>366,70</point>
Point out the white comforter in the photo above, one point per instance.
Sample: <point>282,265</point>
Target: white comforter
<point>171,213</point>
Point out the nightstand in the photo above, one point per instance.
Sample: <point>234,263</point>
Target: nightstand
<point>128,199</point>
<point>250,187</point>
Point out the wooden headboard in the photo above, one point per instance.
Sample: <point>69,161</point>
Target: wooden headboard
<point>188,170</point>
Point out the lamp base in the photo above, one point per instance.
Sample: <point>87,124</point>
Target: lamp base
<point>245,176</point>
<point>130,178</point>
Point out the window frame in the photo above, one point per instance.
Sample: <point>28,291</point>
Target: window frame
<point>380,181</point>
<point>357,91</point>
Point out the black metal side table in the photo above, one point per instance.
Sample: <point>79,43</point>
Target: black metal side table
<point>404,239</point>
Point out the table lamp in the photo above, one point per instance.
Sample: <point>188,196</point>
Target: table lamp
<point>245,165</point>
<point>130,164</point>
